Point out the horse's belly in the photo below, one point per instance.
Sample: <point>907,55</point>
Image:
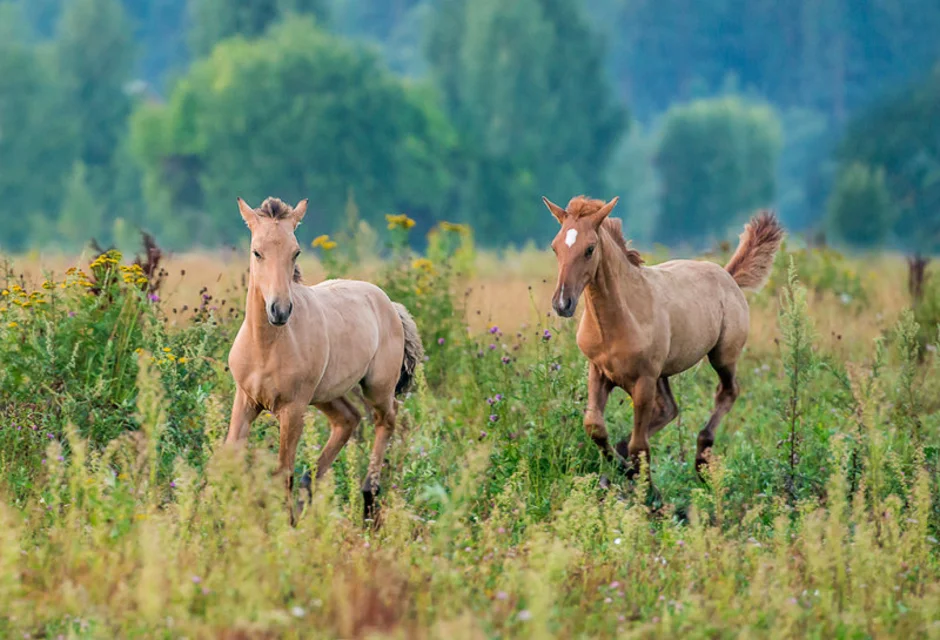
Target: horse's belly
<point>338,381</point>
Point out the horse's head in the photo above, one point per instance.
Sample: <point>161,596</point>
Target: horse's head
<point>577,248</point>
<point>274,251</point>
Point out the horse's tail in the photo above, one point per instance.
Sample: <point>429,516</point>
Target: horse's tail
<point>414,350</point>
<point>751,263</point>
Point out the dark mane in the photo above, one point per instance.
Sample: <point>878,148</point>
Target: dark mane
<point>275,209</point>
<point>581,206</point>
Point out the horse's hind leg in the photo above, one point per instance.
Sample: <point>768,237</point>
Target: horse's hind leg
<point>725,396</point>
<point>385,411</point>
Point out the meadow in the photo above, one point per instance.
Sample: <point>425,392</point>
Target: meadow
<point>121,515</point>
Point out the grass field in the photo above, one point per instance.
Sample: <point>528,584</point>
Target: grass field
<point>122,516</point>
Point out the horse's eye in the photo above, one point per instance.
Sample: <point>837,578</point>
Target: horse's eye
<point>296,255</point>
<point>256,254</point>
<point>589,251</point>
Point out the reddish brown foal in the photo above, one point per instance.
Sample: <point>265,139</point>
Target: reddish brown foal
<point>642,325</point>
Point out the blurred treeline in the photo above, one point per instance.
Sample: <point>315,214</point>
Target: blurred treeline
<point>124,114</point>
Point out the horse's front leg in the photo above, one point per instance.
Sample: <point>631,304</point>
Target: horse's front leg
<point>244,411</point>
<point>599,388</point>
<point>644,405</point>
<point>291,419</point>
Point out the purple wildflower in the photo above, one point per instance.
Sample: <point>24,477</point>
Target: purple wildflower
<point>50,436</point>
<point>494,417</point>
<point>61,459</point>
<point>490,401</point>
<point>482,434</point>
<point>494,330</point>
<point>492,347</point>
<point>614,584</point>
<point>172,484</point>
<point>196,579</point>
<point>555,367</point>
<point>505,359</point>
<point>501,530</point>
<point>440,341</point>
<point>71,314</point>
<point>498,397</point>
<point>153,297</point>
<point>502,595</point>
<point>547,335</point>
<point>525,614</point>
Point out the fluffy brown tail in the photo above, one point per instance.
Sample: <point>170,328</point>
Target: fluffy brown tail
<point>414,350</point>
<point>750,265</point>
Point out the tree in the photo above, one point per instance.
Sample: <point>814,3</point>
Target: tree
<point>95,57</point>
<point>901,136</point>
<point>717,160</point>
<point>82,214</point>
<point>524,83</point>
<point>298,113</point>
<point>215,20</point>
<point>37,137</point>
<point>860,208</point>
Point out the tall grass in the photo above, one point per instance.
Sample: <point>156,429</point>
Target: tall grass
<point>122,516</point>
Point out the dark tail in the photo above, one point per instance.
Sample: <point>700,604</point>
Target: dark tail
<point>414,350</point>
<point>751,263</point>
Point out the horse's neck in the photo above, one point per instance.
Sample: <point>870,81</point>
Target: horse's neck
<point>618,299</point>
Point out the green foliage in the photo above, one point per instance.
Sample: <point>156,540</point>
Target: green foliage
<point>94,55</point>
<point>241,122</point>
<point>82,214</point>
<point>860,208</point>
<point>37,144</point>
<point>494,519</point>
<point>901,137</point>
<point>825,271</point>
<point>717,159</point>
<point>72,349</point>
<point>216,20</point>
<point>799,365</point>
<point>524,84</point>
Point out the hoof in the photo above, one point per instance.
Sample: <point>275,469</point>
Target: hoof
<point>370,506</point>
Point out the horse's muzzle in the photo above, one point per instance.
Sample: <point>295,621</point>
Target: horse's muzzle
<point>279,315</point>
<point>565,306</point>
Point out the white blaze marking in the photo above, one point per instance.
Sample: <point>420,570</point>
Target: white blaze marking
<point>571,236</point>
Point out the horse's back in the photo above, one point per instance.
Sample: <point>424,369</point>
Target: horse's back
<point>362,329</point>
<point>704,306</point>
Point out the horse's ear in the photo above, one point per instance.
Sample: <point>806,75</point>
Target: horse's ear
<point>299,212</point>
<point>598,216</point>
<point>248,214</point>
<point>559,213</point>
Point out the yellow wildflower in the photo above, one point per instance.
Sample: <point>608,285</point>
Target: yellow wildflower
<point>183,360</point>
<point>400,220</point>
<point>167,349</point>
<point>462,229</point>
<point>12,325</point>
<point>171,357</point>
<point>48,285</point>
<point>423,264</point>
<point>324,242</point>
<point>4,292</point>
